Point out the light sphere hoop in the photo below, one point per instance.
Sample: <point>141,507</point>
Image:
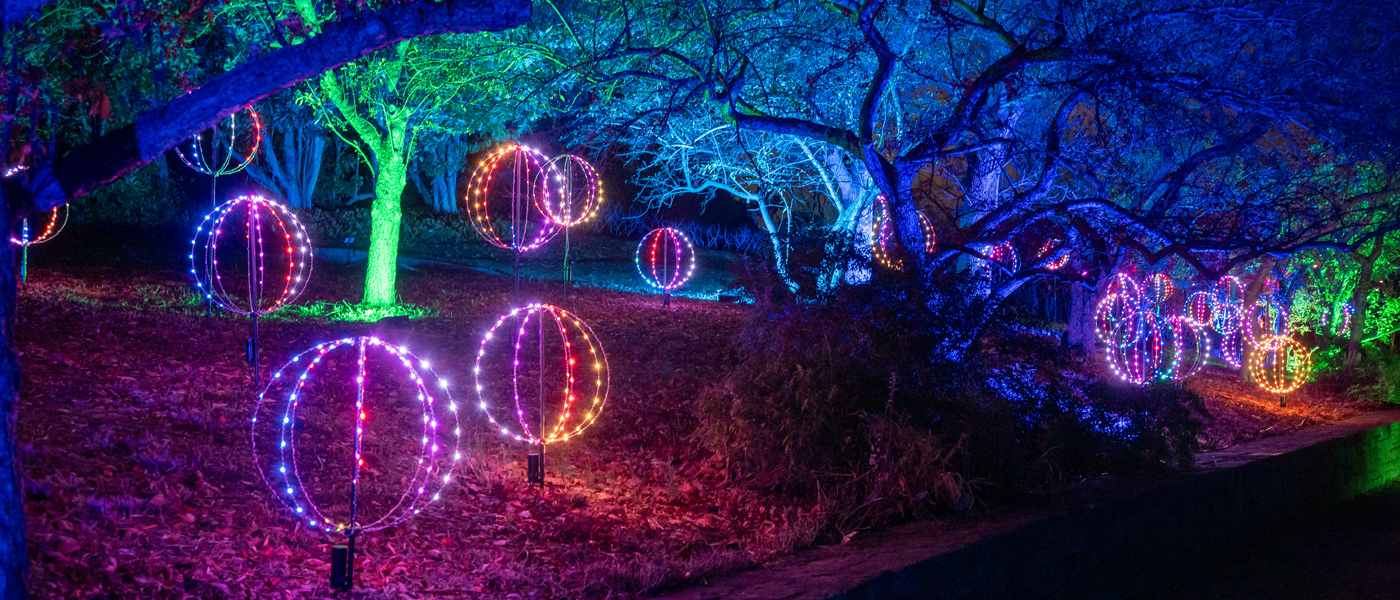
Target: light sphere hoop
<point>882,231</point>
<point>430,452</point>
<point>1265,319</point>
<point>1280,364</point>
<point>257,223</point>
<point>510,185</point>
<point>208,161</point>
<point>1227,305</point>
<point>57,219</point>
<point>1150,347</point>
<point>582,373</point>
<point>571,201</point>
<point>665,258</point>
<point>1159,289</point>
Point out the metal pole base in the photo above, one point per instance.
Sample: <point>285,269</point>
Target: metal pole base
<point>1283,402</point>
<point>666,298</point>
<point>534,469</point>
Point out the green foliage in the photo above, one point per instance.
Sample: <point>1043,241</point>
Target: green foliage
<point>345,311</point>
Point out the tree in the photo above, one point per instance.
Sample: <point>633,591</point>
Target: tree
<point>1114,131</point>
<point>56,180</point>
<point>298,139</point>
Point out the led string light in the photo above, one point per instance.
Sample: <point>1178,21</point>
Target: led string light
<point>1265,319</point>
<point>571,203</point>
<point>882,231</point>
<point>1198,307</point>
<point>1159,289</point>
<point>1227,307</point>
<point>1339,317</point>
<point>1231,348</point>
<point>1002,261</point>
<point>438,443</point>
<point>1122,300</point>
<point>192,154</point>
<point>262,221</point>
<point>1046,248</point>
<point>584,374</point>
<point>1151,347</point>
<point>1280,364</point>
<point>524,191</point>
<point>58,218</point>
<point>665,258</point>
<point>196,158</point>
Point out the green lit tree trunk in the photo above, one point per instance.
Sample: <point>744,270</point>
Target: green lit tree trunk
<point>1361,301</point>
<point>385,215</point>
<point>389,144</point>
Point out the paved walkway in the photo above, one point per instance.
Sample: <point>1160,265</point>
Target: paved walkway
<point>1350,553</point>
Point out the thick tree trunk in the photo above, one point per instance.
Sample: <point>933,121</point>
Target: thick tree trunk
<point>1080,324</point>
<point>1361,300</point>
<point>385,217</point>
<point>14,561</point>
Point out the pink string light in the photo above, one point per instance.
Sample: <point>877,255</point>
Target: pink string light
<point>275,437</point>
<point>258,223</point>
<point>519,198</point>
<point>582,373</point>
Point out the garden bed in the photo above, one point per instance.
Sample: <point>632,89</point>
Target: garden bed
<point>134,425</point>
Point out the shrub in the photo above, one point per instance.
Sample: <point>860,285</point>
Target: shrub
<point>880,405</point>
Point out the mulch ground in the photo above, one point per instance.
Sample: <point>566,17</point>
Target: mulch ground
<point>140,483</point>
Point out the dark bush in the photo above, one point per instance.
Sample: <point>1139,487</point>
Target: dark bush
<point>880,404</point>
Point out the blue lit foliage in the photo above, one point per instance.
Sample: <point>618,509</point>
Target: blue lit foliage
<point>1161,128</point>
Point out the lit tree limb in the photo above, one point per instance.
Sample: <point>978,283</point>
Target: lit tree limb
<point>90,166</point>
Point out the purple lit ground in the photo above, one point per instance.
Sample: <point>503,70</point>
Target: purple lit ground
<point>140,484</point>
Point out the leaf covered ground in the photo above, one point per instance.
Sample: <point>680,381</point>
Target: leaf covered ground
<point>140,480</point>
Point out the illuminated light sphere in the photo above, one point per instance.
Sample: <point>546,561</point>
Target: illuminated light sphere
<point>251,256</point>
<point>541,375</point>
<point>355,435</point>
<point>1231,348</point>
<point>1338,317</point>
<point>665,258</point>
<point>1191,345</point>
<point>507,199</point>
<point>1124,285</point>
<point>1265,319</point>
<point>1227,306</point>
<point>882,243</point>
<point>52,225</point>
<point>1280,364</point>
<point>1159,288</point>
<point>1151,347</point>
<point>1113,310</point>
<point>1002,263</point>
<point>227,148</point>
<point>1198,307</point>
<point>575,193</point>
<point>1122,299</point>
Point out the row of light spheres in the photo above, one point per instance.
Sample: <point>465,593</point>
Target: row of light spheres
<point>518,199</point>
<point>1148,342</point>
<point>582,371</point>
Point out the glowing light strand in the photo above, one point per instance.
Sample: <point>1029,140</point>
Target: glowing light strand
<point>192,154</point>
<point>1280,364</point>
<point>572,419</point>
<point>665,258</point>
<point>260,218</point>
<point>438,450</point>
<point>882,232</point>
<point>524,191</point>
